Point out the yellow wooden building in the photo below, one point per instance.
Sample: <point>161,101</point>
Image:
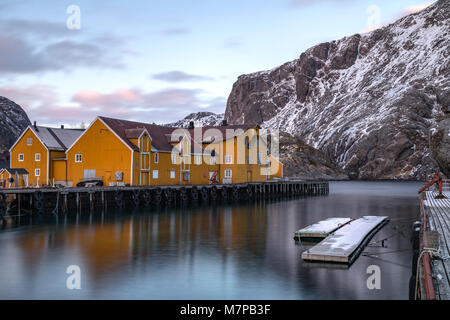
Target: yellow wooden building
<point>13,178</point>
<point>120,152</point>
<point>41,152</point>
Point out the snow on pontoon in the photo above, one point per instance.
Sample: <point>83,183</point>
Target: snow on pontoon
<point>321,229</point>
<point>346,243</point>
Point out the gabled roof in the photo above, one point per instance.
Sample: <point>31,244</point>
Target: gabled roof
<point>131,130</point>
<point>53,138</point>
<point>15,170</point>
<point>160,135</point>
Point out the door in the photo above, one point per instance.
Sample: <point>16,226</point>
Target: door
<point>145,175</point>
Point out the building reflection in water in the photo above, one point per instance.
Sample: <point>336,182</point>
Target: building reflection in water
<point>239,251</point>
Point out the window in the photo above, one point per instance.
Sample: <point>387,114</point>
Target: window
<point>249,160</point>
<point>228,173</point>
<point>259,158</point>
<point>37,157</point>
<point>248,142</point>
<point>172,174</point>
<point>29,141</point>
<point>212,161</point>
<point>37,172</point>
<point>155,174</point>
<point>174,158</point>
<point>228,159</point>
<point>78,157</point>
<point>156,157</point>
<point>198,160</point>
<point>89,173</point>
<point>21,156</point>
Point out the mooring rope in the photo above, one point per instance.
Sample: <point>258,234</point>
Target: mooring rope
<point>433,253</point>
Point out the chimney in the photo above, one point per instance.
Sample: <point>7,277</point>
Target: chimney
<point>62,126</point>
<point>35,126</point>
<point>191,125</point>
<point>224,123</point>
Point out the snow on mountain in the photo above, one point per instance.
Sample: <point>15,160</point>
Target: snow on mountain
<point>13,120</point>
<point>201,119</point>
<point>371,101</point>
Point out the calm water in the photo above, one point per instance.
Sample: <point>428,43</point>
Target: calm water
<point>227,252</point>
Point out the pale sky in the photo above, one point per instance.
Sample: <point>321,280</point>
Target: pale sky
<point>158,61</point>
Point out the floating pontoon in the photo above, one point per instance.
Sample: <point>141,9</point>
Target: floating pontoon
<point>345,244</point>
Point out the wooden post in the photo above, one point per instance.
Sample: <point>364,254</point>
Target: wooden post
<point>91,201</point>
<point>18,203</point>
<point>65,207</point>
<point>78,202</point>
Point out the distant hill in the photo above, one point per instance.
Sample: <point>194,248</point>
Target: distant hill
<point>13,120</point>
<point>200,119</point>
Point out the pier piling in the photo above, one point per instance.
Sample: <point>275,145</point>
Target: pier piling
<point>46,200</point>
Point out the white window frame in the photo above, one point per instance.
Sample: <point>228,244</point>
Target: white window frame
<point>21,157</point>
<point>174,158</point>
<point>37,172</point>
<point>172,174</point>
<point>228,158</point>
<point>228,173</point>
<point>29,141</point>
<point>37,157</point>
<point>78,160</point>
<point>155,174</point>
<point>156,158</point>
<point>212,161</point>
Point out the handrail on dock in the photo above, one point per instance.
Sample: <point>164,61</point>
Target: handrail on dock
<point>430,293</point>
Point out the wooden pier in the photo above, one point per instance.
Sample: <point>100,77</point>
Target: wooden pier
<point>69,200</point>
<point>433,258</point>
<point>345,244</point>
<point>321,229</point>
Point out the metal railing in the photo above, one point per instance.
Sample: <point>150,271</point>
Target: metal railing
<point>446,185</point>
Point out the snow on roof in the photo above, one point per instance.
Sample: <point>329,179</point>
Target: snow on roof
<point>55,138</point>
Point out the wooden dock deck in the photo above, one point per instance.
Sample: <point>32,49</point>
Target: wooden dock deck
<point>436,237</point>
<point>321,229</point>
<point>344,245</point>
<point>68,200</point>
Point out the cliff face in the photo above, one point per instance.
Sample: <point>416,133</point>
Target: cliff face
<point>303,162</point>
<point>13,120</point>
<point>370,102</point>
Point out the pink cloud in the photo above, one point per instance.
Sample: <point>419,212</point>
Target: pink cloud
<point>43,104</point>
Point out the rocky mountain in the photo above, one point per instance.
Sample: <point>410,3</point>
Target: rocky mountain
<point>13,120</point>
<point>200,119</point>
<point>377,103</point>
<point>303,162</point>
